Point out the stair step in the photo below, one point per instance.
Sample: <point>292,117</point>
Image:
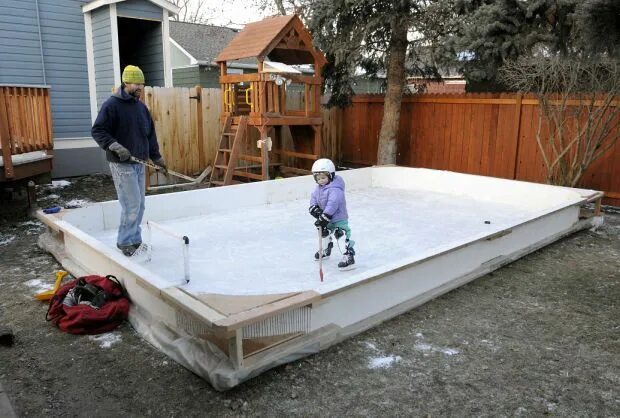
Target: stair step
<point>225,150</point>
<point>229,134</point>
<point>254,158</point>
<point>221,183</point>
<point>248,175</point>
<point>222,167</point>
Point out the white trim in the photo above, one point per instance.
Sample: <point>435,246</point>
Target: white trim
<point>229,64</point>
<point>115,53</point>
<point>73,143</point>
<point>97,4</point>
<point>192,60</point>
<point>161,3</point>
<point>165,40</point>
<point>90,61</point>
<point>167,6</point>
<point>186,66</point>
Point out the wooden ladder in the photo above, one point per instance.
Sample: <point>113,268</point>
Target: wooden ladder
<point>231,141</point>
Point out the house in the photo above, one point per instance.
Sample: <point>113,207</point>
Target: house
<point>193,48</point>
<point>78,48</point>
<point>448,84</point>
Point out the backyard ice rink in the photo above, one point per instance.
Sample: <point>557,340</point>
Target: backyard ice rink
<point>269,249</point>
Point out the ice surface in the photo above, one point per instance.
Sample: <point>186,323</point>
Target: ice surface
<point>270,249</point>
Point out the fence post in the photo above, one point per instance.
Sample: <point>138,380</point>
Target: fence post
<point>5,139</point>
<point>199,130</point>
<point>518,106</point>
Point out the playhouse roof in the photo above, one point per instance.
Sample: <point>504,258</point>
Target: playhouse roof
<point>282,38</point>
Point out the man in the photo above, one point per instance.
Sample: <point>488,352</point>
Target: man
<point>124,129</point>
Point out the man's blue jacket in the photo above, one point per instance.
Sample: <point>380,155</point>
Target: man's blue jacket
<point>126,120</point>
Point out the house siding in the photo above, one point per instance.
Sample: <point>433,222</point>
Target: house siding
<point>186,77</point>
<point>207,77</point>
<point>151,57</point>
<point>64,48</point>
<point>178,58</point>
<point>139,9</point>
<point>64,58</point>
<point>102,53</point>
<point>20,53</point>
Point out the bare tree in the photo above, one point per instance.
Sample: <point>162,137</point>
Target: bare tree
<point>192,11</point>
<point>579,107</point>
<point>284,7</point>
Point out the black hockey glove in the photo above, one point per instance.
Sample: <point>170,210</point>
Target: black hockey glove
<point>323,220</point>
<point>315,211</point>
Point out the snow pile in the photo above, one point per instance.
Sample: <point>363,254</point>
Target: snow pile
<point>39,285</point>
<point>381,361</point>
<point>77,203</point>
<point>6,239</point>
<point>59,184</point>
<point>106,340</point>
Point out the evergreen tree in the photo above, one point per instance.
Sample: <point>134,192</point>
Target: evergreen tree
<point>486,33</point>
<point>598,25</point>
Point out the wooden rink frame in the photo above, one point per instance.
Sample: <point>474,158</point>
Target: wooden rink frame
<point>228,339</point>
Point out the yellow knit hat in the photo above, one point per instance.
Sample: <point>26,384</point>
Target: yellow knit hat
<point>133,75</point>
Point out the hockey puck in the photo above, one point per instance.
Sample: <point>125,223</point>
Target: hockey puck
<point>487,222</point>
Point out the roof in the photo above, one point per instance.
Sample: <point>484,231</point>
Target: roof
<point>281,38</point>
<point>95,4</point>
<point>203,42</point>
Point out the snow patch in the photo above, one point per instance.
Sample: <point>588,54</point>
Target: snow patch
<point>77,203</point>
<point>106,340</point>
<point>371,346</point>
<point>6,239</point>
<point>30,223</point>
<point>429,348</point>
<point>59,184</point>
<point>50,196</point>
<point>383,362</point>
<point>39,285</point>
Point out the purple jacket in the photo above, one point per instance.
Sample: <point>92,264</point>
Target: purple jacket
<point>331,199</point>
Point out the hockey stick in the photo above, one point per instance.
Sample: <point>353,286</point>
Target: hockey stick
<point>196,180</point>
<point>320,251</point>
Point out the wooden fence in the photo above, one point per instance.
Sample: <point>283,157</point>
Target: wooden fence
<point>25,125</point>
<point>486,134</point>
<point>187,121</point>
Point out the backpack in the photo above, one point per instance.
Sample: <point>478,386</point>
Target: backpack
<point>89,305</point>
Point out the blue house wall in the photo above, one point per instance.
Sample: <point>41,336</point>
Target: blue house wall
<point>61,52</point>
<point>44,43</point>
<point>102,52</point>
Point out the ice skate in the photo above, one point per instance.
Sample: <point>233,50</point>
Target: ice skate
<point>348,260</point>
<point>327,249</point>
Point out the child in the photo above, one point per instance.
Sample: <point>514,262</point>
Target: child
<point>328,205</point>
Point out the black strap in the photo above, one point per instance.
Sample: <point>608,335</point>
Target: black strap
<point>118,284</point>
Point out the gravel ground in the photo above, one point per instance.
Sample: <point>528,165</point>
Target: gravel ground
<point>539,336</point>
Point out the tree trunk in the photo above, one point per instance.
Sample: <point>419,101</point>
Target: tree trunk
<point>280,6</point>
<point>386,154</point>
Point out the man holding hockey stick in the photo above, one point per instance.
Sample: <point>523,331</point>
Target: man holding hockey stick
<point>329,207</point>
<point>124,128</point>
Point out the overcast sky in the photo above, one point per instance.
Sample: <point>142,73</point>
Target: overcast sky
<point>233,12</point>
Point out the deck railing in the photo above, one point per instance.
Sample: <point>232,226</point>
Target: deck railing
<point>257,94</point>
<point>25,122</point>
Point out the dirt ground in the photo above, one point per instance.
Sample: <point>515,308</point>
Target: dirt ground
<point>539,336</point>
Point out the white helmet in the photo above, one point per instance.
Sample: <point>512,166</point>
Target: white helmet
<point>324,165</point>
